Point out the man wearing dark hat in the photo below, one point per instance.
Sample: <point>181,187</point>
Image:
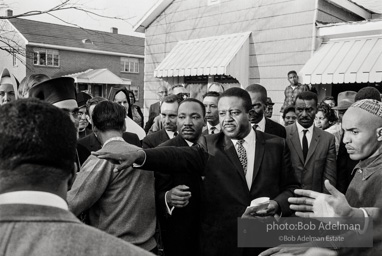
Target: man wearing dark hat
<point>61,92</point>
<point>83,127</point>
<point>269,108</point>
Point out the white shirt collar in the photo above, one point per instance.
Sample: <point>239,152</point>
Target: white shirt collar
<point>33,197</point>
<point>300,128</point>
<point>218,128</point>
<point>113,139</point>
<point>189,143</point>
<point>251,137</point>
<point>170,134</point>
<point>261,124</point>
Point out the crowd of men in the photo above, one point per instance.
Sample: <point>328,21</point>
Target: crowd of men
<point>180,189</point>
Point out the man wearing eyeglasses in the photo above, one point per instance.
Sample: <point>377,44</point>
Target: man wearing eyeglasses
<point>259,103</point>
<point>61,92</point>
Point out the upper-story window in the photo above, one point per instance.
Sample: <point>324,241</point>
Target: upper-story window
<point>46,57</point>
<point>130,65</point>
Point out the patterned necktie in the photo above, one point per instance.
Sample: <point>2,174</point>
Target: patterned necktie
<point>305,144</point>
<point>213,128</point>
<point>242,153</point>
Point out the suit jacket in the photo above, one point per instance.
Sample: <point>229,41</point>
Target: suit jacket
<point>154,139</point>
<point>274,128</point>
<point>180,230</point>
<point>320,162</point>
<point>36,230</point>
<point>154,110</point>
<point>225,194</point>
<point>92,144</point>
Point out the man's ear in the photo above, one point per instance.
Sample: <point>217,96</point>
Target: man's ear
<point>379,134</point>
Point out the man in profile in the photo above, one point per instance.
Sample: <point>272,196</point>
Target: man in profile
<point>37,166</point>
<point>154,109</point>
<point>119,203</point>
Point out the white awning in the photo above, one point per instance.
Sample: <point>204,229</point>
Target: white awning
<point>98,76</point>
<point>345,60</point>
<point>218,55</point>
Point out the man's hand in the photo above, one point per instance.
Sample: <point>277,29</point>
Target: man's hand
<point>178,196</point>
<point>318,205</point>
<point>272,209</point>
<point>122,153</point>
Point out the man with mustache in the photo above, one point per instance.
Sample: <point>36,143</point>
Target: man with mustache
<point>238,165</point>
<point>313,152</point>
<point>178,194</point>
<point>210,101</point>
<point>259,103</point>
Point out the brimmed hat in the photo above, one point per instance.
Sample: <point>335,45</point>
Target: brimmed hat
<point>54,90</point>
<point>345,99</point>
<point>82,98</point>
<point>269,101</point>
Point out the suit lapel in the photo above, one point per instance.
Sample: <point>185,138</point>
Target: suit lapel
<point>313,143</point>
<point>268,127</point>
<point>230,151</point>
<point>259,153</point>
<point>295,140</point>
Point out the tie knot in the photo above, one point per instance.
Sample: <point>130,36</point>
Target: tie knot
<point>255,126</point>
<point>305,131</point>
<point>175,134</point>
<point>213,128</point>
<point>240,142</point>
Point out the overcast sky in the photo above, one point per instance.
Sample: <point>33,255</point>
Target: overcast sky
<point>130,10</point>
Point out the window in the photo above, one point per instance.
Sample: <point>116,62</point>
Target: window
<point>45,57</point>
<point>130,65</point>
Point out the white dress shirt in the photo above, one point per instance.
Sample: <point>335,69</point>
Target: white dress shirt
<point>170,134</point>
<point>261,125</point>
<point>33,197</point>
<point>309,133</point>
<point>217,130</point>
<point>250,148</point>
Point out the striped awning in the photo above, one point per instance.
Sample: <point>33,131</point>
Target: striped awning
<point>345,60</point>
<point>218,55</point>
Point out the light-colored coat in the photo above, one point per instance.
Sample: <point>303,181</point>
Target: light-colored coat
<point>35,230</point>
<point>320,161</point>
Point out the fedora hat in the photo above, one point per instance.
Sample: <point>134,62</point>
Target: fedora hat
<point>54,90</point>
<point>345,99</point>
<point>269,101</point>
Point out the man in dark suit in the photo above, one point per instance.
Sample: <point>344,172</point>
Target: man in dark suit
<point>178,194</point>
<point>210,101</point>
<point>36,170</point>
<point>259,102</point>
<point>313,152</point>
<point>90,141</point>
<point>169,112</point>
<point>154,109</point>
<point>238,165</point>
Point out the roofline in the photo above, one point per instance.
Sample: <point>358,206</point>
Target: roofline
<point>21,35</point>
<point>151,15</point>
<point>74,49</point>
<point>352,7</point>
<point>350,29</point>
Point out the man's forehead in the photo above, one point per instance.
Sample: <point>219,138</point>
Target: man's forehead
<point>230,102</point>
<point>210,99</point>
<point>169,106</point>
<point>190,107</point>
<point>305,103</point>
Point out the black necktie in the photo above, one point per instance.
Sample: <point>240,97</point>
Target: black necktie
<point>213,128</point>
<point>255,126</point>
<point>304,144</point>
<point>175,134</point>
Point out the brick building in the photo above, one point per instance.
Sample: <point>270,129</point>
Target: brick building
<point>89,56</point>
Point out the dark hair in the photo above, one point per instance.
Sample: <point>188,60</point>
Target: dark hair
<point>29,81</point>
<point>240,93</point>
<point>329,98</point>
<point>196,101</point>
<point>292,72</point>
<point>93,101</point>
<point>108,116</point>
<point>368,93</point>
<point>288,109</point>
<point>258,88</point>
<point>114,91</point>
<point>327,111</point>
<point>38,142</point>
<point>171,99</point>
<point>306,96</point>
<point>211,94</point>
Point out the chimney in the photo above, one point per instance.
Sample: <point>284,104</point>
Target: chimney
<point>9,13</point>
<point>114,30</point>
